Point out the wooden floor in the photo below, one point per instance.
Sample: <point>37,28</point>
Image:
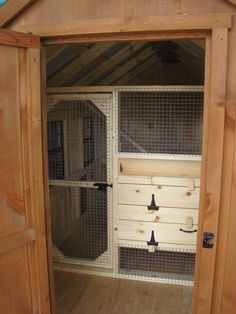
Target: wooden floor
<point>87,294</point>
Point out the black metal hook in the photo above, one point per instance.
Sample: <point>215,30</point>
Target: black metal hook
<point>153,205</point>
<point>152,240</point>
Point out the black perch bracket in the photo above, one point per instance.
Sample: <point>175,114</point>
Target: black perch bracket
<point>102,186</point>
<point>208,236</point>
<point>152,240</point>
<point>153,205</point>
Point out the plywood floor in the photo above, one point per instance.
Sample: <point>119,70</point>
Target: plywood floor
<point>87,294</point>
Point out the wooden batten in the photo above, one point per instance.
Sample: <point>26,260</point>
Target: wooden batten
<point>11,9</point>
<point>17,240</point>
<point>152,167</point>
<point>212,166</point>
<point>135,24</point>
<point>18,39</point>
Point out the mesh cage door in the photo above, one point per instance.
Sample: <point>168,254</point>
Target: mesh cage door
<point>79,164</point>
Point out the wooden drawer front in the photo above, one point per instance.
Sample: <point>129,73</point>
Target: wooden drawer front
<point>163,215</point>
<point>164,233</point>
<point>165,196</point>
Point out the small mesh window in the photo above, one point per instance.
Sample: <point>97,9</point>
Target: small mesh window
<point>164,265</point>
<point>161,122</point>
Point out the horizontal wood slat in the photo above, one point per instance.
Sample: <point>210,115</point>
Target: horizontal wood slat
<point>167,196</point>
<point>16,39</point>
<point>188,182</point>
<point>135,24</point>
<point>165,233</point>
<point>16,240</point>
<point>159,168</point>
<point>163,215</point>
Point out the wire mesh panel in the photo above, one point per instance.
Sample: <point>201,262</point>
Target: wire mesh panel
<point>165,264</point>
<point>77,129</point>
<point>79,157</point>
<point>79,221</point>
<point>161,121</point>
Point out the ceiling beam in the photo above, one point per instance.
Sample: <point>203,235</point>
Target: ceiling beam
<point>78,64</point>
<point>123,69</point>
<point>11,9</point>
<point>139,70</point>
<point>55,51</point>
<point>191,48</point>
<point>199,42</point>
<point>195,65</point>
<point>62,57</point>
<point>108,64</point>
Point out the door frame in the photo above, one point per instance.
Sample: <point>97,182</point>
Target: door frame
<point>214,29</point>
<point>106,109</point>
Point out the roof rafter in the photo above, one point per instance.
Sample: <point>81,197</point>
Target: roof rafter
<point>110,63</point>
<point>78,64</point>
<point>139,70</point>
<point>11,9</point>
<point>123,69</point>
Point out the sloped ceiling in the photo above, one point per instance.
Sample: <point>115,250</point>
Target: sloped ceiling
<point>120,63</point>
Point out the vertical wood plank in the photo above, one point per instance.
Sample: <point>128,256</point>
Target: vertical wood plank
<point>38,253</point>
<point>207,89</point>
<point>211,188</point>
<point>228,289</point>
<point>45,180</point>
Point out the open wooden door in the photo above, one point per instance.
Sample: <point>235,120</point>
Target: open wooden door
<point>23,258</point>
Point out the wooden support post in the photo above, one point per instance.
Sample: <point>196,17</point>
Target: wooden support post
<point>212,167</point>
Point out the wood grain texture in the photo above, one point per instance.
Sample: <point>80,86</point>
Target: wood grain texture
<point>18,39</point>
<point>232,2</point>
<point>17,240</point>
<point>211,190</point>
<point>83,294</point>
<point>53,11</point>
<point>25,284</point>
<point>142,194</point>
<point>117,37</point>
<point>11,9</point>
<point>134,24</point>
<point>163,215</point>
<point>177,168</point>
<point>164,232</point>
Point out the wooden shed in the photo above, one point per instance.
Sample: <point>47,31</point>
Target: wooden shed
<point>118,167</point>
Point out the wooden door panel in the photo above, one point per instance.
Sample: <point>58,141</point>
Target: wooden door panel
<point>12,205</point>
<point>23,258</point>
<point>15,296</point>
